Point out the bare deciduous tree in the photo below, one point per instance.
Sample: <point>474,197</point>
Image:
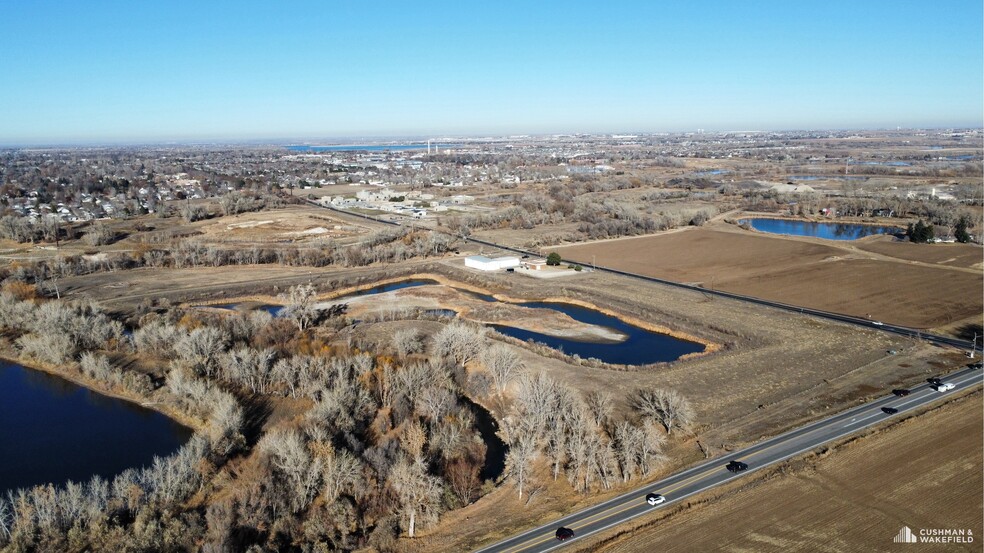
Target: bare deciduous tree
<point>667,407</point>
<point>519,460</point>
<point>293,463</point>
<point>407,341</point>
<point>201,348</point>
<point>600,405</point>
<point>340,472</point>
<point>458,343</point>
<point>299,305</point>
<point>503,365</point>
<point>419,493</point>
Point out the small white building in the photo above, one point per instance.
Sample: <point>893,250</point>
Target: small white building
<point>483,263</point>
<point>535,264</point>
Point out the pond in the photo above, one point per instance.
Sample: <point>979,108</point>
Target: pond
<point>52,430</point>
<point>641,347</point>
<point>827,231</point>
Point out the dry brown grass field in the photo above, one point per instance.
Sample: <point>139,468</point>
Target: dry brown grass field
<point>857,279</point>
<point>924,472</point>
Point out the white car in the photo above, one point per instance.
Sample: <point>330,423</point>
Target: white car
<point>945,387</point>
<point>655,499</point>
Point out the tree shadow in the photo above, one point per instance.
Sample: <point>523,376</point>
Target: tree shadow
<point>970,331</point>
<point>256,411</point>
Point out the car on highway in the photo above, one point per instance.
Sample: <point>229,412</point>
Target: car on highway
<point>934,381</point>
<point>901,392</point>
<point>564,533</point>
<point>890,410</point>
<point>945,387</point>
<point>878,323</point>
<point>655,498</point>
<point>736,466</point>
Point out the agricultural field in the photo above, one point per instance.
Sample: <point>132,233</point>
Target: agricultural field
<point>868,279</point>
<point>924,472</point>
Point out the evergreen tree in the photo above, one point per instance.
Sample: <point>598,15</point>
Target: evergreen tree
<point>960,231</point>
<point>920,233</point>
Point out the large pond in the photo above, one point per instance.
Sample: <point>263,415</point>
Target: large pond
<point>641,347</point>
<point>828,231</point>
<point>52,430</point>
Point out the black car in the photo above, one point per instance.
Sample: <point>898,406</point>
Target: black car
<point>977,365</point>
<point>935,381</point>
<point>564,533</point>
<point>736,466</point>
<point>890,410</point>
<point>901,392</point>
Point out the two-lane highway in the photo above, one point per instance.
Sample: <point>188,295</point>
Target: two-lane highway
<point>713,473</point>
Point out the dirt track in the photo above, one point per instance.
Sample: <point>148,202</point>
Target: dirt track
<point>924,473</point>
<point>931,292</point>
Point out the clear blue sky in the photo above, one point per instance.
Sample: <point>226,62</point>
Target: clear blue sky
<point>149,71</point>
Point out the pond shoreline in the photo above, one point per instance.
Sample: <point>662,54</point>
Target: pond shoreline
<point>98,387</point>
<point>709,346</point>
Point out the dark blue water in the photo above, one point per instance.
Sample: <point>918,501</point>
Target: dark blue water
<point>52,430</point>
<point>276,309</point>
<point>367,147</point>
<point>642,347</point>
<point>824,177</point>
<point>496,449</point>
<point>828,231</point>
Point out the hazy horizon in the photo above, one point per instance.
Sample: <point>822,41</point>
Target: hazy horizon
<point>355,140</point>
<point>251,71</point>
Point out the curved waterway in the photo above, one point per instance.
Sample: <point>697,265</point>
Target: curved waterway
<point>827,231</point>
<point>640,347</point>
<point>52,431</point>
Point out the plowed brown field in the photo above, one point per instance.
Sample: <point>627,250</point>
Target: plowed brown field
<point>839,278</point>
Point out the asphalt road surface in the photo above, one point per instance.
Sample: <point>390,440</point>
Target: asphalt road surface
<point>712,473</point>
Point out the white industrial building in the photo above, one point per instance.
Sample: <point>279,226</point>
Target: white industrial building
<point>483,263</point>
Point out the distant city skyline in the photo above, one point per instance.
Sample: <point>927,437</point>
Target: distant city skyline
<point>112,73</point>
